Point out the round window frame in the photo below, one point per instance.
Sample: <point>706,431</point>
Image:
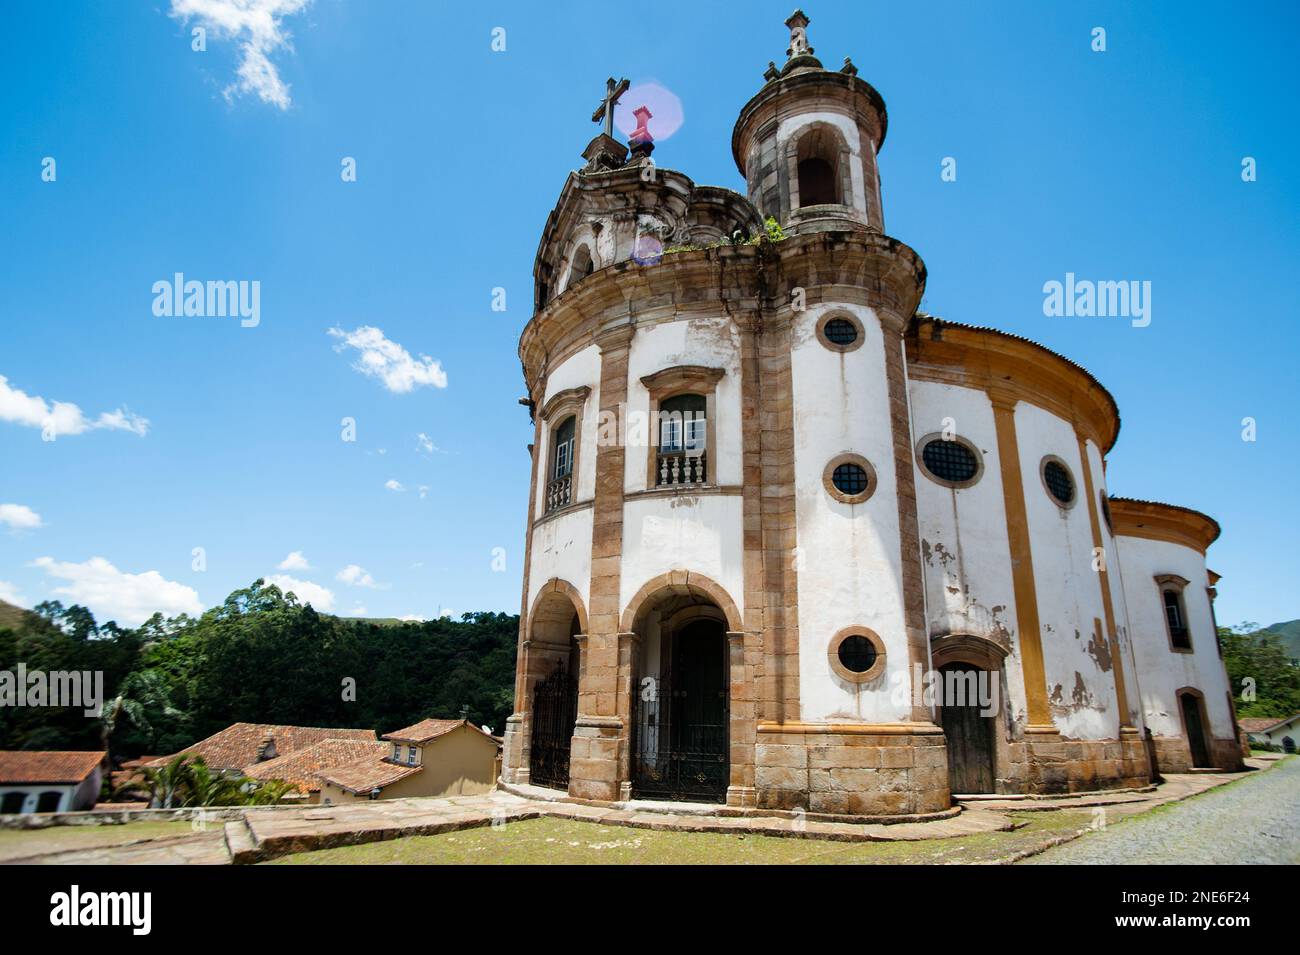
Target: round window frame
<point>844,673</point>
<point>1047,489</point>
<point>828,478</point>
<point>851,319</point>
<point>964,442</point>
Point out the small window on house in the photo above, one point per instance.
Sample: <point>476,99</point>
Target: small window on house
<point>1057,479</point>
<point>410,755</point>
<point>683,439</point>
<point>816,182</point>
<point>48,801</point>
<point>950,462</point>
<point>397,752</point>
<point>1176,618</point>
<point>559,487</point>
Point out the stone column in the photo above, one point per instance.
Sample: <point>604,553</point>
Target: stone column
<point>600,735</point>
<point>744,658</point>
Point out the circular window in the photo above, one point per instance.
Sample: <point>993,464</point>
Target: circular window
<point>849,478</point>
<point>951,461</point>
<point>857,654</point>
<point>1057,480</point>
<point>840,332</point>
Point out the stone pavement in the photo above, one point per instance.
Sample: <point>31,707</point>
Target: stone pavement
<point>268,833</point>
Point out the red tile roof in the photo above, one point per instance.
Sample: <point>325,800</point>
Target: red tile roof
<point>1258,724</point>
<point>367,774</point>
<point>426,730</point>
<point>303,766</point>
<point>27,767</point>
<point>239,745</point>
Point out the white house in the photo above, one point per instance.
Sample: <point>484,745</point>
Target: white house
<point>46,781</point>
<point>1283,733</point>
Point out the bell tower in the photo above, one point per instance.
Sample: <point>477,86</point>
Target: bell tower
<point>807,143</point>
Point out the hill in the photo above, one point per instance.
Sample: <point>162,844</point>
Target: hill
<point>11,616</point>
<point>1289,633</point>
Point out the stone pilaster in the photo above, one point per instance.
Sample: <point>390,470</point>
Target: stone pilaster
<point>600,735</point>
<point>779,682</point>
<point>515,745</point>
<point>909,537</point>
<point>1022,566</point>
<point>744,659</point>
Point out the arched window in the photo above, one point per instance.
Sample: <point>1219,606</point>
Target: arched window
<point>817,167</point>
<point>683,436</point>
<point>582,265</point>
<point>1175,610</point>
<point>559,485</point>
<point>816,182</point>
<point>1176,617</point>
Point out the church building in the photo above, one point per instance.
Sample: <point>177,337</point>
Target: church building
<point>793,544</point>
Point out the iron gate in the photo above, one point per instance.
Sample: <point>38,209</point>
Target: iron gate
<point>555,708</point>
<point>679,733</point>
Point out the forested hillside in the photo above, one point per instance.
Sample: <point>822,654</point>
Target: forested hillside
<point>260,657</point>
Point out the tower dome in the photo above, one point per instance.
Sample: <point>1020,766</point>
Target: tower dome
<point>807,143</point>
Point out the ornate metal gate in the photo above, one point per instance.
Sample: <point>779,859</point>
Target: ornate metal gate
<point>679,730</point>
<point>555,708</point>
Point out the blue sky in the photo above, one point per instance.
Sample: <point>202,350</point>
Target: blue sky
<point>1117,165</point>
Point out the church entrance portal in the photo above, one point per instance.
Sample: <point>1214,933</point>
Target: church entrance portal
<point>1195,729</point>
<point>679,735</point>
<point>969,733</point>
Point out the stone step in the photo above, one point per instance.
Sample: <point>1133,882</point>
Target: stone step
<point>240,843</point>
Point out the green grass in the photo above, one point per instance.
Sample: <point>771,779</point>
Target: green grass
<point>566,842</point>
<point>19,843</point>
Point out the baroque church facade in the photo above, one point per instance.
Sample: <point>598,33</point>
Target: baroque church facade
<point>794,545</point>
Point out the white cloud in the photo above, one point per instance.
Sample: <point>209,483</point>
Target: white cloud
<point>321,598</point>
<point>62,417</point>
<point>394,485</point>
<point>111,594</point>
<point>424,491</point>
<point>19,517</point>
<point>388,361</point>
<point>355,575</point>
<point>9,593</point>
<point>357,611</point>
<point>411,618</point>
<point>295,561</point>
<point>257,25</point>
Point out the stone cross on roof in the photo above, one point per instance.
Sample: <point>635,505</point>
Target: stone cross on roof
<point>605,110</point>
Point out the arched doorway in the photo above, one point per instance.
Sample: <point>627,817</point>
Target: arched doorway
<point>554,665</point>
<point>680,710</point>
<point>969,698</point>
<point>1190,703</point>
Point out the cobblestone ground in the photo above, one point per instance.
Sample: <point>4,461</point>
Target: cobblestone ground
<point>1255,821</point>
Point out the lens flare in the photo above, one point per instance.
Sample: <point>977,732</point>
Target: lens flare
<point>665,110</point>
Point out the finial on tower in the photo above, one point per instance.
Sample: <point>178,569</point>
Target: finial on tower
<point>800,53</point>
<point>642,142</point>
<point>798,24</point>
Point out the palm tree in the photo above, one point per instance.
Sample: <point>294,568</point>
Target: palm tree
<point>137,694</point>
